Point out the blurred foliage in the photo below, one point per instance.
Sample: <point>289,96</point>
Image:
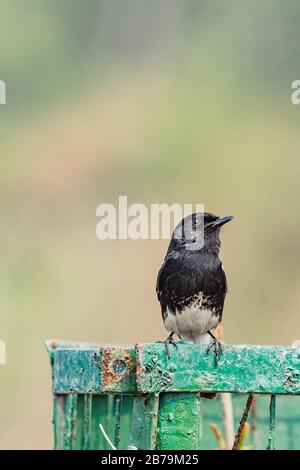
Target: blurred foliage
<point>165,101</point>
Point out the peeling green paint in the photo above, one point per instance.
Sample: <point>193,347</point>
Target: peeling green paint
<point>144,422</point>
<point>94,370</point>
<point>87,420</point>
<point>70,409</point>
<point>241,369</point>
<point>272,411</point>
<point>179,421</point>
<point>146,400</point>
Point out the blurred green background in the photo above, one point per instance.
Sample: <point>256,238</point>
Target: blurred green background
<point>163,101</point>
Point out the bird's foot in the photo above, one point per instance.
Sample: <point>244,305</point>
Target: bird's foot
<point>167,343</point>
<point>217,348</point>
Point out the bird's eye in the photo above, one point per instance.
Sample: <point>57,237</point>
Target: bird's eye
<point>196,223</point>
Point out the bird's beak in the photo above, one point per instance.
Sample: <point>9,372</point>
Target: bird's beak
<point>222,220</point>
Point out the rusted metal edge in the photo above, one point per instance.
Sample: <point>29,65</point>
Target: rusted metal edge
<point>95,371</point>
<point>145,368</point>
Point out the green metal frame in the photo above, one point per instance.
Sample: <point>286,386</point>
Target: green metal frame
<point>145,400</point>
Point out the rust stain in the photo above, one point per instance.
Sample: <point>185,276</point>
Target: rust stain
<point>139,369</point>
<point>109,375</point>
<point>109,357</point>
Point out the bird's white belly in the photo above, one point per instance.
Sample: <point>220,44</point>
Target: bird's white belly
<point>191,324</point>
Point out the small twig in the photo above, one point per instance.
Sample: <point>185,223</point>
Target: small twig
<point>242,422</point>
<point>106,437</point>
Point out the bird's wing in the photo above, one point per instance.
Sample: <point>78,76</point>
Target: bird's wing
<point>168,275</point>
<point>225,280</point>
<point>181,278</point>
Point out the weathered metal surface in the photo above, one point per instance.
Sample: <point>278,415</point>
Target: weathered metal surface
<point>144,422</point>
<point>117,436</point>
<point>70,420</point>
<point>59,421</point>
<point>272,411</point>
<point>132,392</point>
<point>103,370</point>
<point>241,369</point>
<point>118,369</point>
<point>101,414</point>
<point>77,371</point>
<point>179,421</point>
<point>87,421</point>
<point>287,421</point>
<point>77,419</point>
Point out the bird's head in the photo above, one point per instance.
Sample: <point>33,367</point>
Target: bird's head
<point>198,231</point>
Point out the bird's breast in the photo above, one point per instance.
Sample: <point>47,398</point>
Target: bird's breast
<point>191,323</point>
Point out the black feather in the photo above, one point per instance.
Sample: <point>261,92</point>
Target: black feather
<point>193,277</point>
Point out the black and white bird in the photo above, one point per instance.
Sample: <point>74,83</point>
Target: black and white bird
<point>191,284</point>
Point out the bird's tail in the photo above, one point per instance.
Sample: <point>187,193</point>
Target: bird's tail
<point>203,339</point>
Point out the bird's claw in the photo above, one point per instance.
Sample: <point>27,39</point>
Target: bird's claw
<point>167,343</point>
<point>218,349</point>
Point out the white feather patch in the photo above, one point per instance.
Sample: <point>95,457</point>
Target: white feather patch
<point>191,324</point>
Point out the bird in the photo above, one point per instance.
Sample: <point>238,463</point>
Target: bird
<point>191,283</point>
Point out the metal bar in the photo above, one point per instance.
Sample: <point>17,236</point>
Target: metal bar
<point>99,416</point>
<point>118,405</point>
<point>87,421</point>
<point>179,421</point>
<point>144,422</point>
<point>146,369</point>
<point>54,421</point>
<point>74,421</point>
<point>272,411</point>
<point>241,369</point>
<point>59,421</point>
<point>109,425</point>
<point>69,421</point>
<point>105,370</point>
<point>102,373</point>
